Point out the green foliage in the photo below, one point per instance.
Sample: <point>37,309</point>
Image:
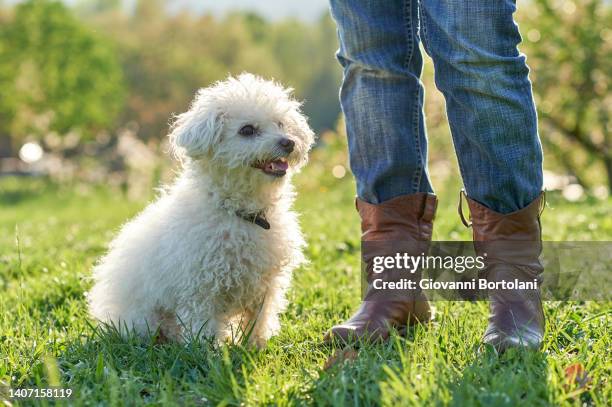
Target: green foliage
<point>55,74</point>
<point>166,58</point>
<point>569,48</point>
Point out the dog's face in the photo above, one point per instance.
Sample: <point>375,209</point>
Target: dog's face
<point>245,123</point>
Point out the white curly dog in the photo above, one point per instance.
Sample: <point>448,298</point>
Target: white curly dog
<point>213,255</point>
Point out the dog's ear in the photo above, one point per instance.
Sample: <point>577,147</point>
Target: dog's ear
<point>196,131</point>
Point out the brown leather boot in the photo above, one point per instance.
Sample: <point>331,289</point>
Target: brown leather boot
<point>404,223</point>
<point>512,243</point>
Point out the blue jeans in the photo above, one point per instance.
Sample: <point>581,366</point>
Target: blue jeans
<point>484,80</point>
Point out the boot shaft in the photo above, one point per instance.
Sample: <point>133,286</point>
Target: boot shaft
<point>404,218</point>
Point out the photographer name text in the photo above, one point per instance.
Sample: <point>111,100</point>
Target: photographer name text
<point>473,284</point>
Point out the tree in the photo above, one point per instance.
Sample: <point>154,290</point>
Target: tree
<point>569,47</point>
<point>167,57</point>
<point>55,74</point>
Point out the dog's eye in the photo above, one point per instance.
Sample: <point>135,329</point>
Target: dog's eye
<point>248,130</point>
<point>280,125</point>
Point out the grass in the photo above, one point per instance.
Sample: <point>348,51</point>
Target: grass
<point>51,235</point>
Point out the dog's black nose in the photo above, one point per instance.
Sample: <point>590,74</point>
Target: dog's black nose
<point>286,144</point>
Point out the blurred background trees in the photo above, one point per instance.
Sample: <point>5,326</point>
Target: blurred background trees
<point>56,75</point>
<point>167,57</point>
<point>569,48</point>
<point>100,67</point>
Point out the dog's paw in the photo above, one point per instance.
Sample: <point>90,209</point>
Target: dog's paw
<point>258,342</point>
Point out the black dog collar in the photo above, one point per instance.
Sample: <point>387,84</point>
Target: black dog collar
<point>258,218</point>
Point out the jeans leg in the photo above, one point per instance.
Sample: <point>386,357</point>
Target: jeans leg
<point>382,96</point>
<point>488,95</point>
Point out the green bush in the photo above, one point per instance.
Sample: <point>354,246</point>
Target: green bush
<point>55,74</point>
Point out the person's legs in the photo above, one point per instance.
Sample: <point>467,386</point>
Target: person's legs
<point>493,122</point>
<point>488,95</point>
<point>382,96</point>
<point>382,99</point>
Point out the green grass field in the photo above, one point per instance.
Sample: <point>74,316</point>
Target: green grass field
<point>51,235</point>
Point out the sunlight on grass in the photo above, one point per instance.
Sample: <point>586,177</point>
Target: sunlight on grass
<point>51,235</point>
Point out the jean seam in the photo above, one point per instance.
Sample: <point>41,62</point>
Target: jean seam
<point>424,26</point>
<point>408,29</point>
<point>462,172</point>
<point>418,172</point>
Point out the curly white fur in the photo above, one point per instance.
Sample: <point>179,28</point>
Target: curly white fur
<point>188,265</point>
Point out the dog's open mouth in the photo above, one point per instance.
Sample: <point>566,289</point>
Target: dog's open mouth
<point>277,167</point>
